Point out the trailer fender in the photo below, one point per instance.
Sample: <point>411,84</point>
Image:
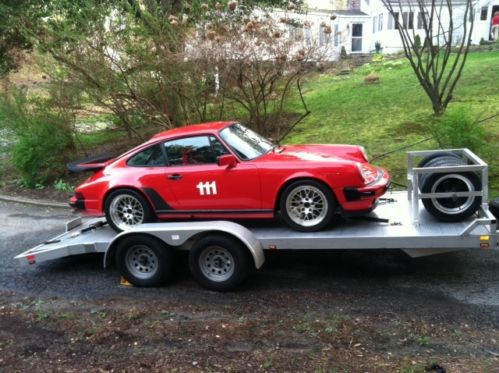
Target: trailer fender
<point>177,234</point>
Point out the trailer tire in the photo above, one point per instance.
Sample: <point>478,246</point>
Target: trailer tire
<point>219,263</point>
<point>144,260</point>
<point>450,209</point>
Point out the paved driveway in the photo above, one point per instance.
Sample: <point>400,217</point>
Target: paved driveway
<point>370,280</point>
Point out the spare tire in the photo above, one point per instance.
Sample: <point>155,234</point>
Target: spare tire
<point>494,208</point>
<point>450,209</point>
<point>444,159</point>
<point>428,158</point>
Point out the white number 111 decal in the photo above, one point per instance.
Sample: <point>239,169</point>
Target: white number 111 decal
<point>207,188</point>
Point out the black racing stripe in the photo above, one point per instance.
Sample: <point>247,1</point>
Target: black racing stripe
<point>181,212</point>
<point>159,203</point>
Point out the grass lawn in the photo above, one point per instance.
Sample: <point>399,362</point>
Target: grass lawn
<point>396,112</point>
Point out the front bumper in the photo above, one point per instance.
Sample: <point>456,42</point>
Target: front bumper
<point>363,198</point>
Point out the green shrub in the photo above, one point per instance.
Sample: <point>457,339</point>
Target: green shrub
<point>343,53</point>
<point>43,140</point>
<point>417,42</point>
<point>457,129</point>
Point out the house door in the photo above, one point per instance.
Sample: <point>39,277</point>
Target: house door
<point>494,10</point>
<point>357,37</point>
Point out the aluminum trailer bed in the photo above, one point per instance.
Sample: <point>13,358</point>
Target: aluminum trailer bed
<point>398,222</point>
<point>424,237</point>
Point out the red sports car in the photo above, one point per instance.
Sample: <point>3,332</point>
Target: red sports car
<point>224,170</point>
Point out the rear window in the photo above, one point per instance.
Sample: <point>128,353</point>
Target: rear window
<point>150,157</point>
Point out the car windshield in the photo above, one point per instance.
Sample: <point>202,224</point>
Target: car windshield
<point>246,143</point>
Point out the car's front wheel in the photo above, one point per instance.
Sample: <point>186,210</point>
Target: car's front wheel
<point>307,205</point>
<point>125,208</point>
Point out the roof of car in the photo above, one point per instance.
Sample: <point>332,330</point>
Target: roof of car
<point>193,129</point>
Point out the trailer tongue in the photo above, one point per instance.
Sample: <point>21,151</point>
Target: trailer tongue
<point>222,252</point>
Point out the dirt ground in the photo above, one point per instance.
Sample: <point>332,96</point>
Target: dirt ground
<point>294,332</point>
<point>304,312</point>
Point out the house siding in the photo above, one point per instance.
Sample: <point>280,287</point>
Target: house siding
<point>378,30</point>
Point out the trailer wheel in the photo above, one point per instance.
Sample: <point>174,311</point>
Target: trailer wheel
<point>450,209</point>
<point>307,205</point>
<point>219,262</point>
<point>144,260</point>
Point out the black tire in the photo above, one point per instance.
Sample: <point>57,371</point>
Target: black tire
<point>326,198</point>
<point>494,208</point>
<point>144,260</point>
<point>431,157</point>
<point>220,263</point>
<point>450,209</point>
<point>113,197</point>
<point>442,160</point>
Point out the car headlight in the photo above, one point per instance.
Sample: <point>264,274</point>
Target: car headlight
<point>369,173</point>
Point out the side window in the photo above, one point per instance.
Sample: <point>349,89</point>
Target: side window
<point>194,150</point>
<point>484,12</point>
<point>150,157</point>
<point>218,148</point>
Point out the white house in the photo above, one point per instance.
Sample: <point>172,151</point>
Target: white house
<point>384,26</point>
<point>358,25</point>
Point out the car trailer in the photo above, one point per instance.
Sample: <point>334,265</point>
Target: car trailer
<point>223,253</point>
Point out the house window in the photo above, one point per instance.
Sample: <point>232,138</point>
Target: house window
<point>393,21</point>
<point>484,13</point>
<point>420,20</point>
<point>308,36</point>
<point>374,24</point>
<point>336,35</point>
<point>471,14</point>
<point>324,36</point>
<point>380,22</point>
<point>408,20</point>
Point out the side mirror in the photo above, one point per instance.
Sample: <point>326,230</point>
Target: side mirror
<point>227,160</point>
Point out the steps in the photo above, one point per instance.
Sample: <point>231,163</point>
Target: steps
<point>359,59</point>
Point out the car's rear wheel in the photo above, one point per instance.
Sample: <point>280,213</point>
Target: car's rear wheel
<point>125,208</point>
<point>307,205</point>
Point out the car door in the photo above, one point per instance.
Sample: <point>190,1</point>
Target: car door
<point>199,184</point>
<point>146,170</point>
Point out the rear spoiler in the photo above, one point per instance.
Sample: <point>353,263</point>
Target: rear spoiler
<point>95,163</point>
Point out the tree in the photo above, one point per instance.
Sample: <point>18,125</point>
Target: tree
<point>12,39</point>
<point>446,29</point>
<point>258,60</point>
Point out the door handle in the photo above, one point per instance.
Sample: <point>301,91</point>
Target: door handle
<point>175,177</point>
